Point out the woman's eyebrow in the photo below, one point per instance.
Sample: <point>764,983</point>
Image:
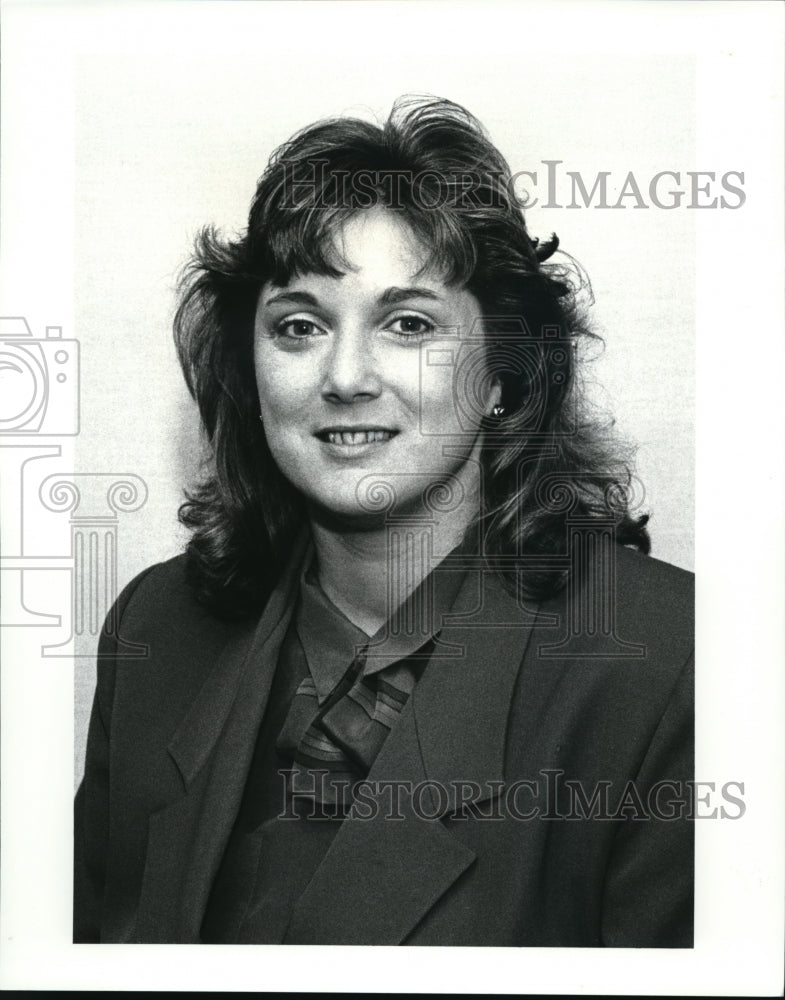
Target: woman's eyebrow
<point>388,297</point>
<point>392,295</point>
<point>300,298</point>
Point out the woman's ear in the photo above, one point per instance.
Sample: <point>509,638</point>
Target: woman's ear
<point>494,396</point>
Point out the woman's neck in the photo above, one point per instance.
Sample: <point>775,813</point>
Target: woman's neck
<point>368,573</point>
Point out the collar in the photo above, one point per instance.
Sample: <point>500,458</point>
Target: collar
<point>331,641</point>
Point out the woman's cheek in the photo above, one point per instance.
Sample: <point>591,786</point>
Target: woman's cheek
<point>437,402</point>
<point>281,386</point>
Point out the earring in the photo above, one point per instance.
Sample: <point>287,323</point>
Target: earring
<point>497,411</point>
<point>261,418</point>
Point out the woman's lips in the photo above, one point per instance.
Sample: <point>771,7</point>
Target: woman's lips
<point>356,437</point>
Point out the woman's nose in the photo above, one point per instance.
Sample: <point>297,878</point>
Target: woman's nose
<point>350,369</point>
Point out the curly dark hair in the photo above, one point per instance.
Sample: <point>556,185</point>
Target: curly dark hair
<point>433,162</point>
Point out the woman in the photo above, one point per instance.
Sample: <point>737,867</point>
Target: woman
<point>410,683</point>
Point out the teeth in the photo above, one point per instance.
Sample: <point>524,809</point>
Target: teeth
<point>357,437</point>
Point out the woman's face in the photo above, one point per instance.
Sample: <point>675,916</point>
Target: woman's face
<point>357,377</point>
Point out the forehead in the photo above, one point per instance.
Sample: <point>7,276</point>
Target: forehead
<point>378,240</point>
<point>373,248</point>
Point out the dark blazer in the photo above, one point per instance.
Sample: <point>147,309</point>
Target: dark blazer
<point>525,703</point>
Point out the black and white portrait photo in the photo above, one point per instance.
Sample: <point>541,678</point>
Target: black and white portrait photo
<point>377,489</point>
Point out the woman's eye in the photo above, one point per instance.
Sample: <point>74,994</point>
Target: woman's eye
<point>297,329</point>
<point>411,326</point>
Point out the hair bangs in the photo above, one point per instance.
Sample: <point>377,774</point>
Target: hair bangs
<point>304,244</point>
<point>308,242</point>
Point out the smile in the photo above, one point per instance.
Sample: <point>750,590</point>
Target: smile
<point>355,437</point>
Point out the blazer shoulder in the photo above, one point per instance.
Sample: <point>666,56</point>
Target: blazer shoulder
<point>150,578</point>
<point>159,607</point>
<point>650,590</point>
<point>652,605</point>
<point>652,571</point>
<point>180,641</point>
<point>164,578</point>
<point>623,603</point>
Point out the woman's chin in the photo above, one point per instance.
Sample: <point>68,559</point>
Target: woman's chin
<point>348,514</point>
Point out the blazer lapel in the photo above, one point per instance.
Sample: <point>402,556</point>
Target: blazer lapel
<point>392,859</point>
<point>212,749</point>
